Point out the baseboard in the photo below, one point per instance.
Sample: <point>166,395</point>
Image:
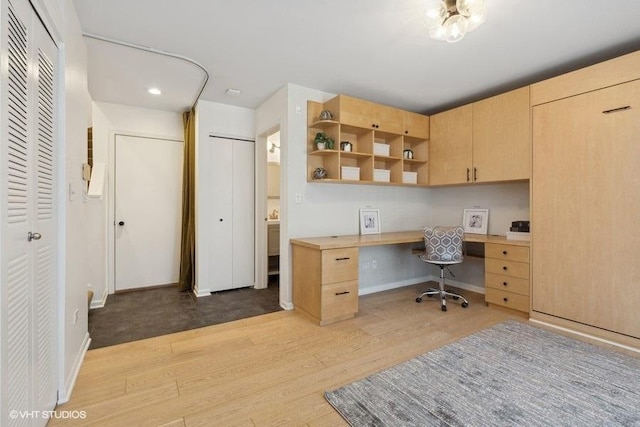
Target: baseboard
<point>64,394</point>
<point>101,302</point>
<point>202,292</point>
<point>286,305</point>
<point>417,280</point>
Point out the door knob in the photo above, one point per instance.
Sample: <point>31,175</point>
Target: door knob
<point>121,223</point>
<point>33,236</point>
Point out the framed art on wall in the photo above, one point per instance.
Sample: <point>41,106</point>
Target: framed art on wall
<point>476,221</point>
<point>369,221</point>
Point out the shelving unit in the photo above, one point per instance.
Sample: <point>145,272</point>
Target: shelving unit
<point>362,132</point>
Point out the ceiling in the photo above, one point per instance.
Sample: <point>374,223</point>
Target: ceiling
<point>372,49</point>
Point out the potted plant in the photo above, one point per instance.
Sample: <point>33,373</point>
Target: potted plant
<point>323,142</point>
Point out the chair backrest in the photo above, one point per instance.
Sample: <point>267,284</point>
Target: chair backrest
<point>443,244</point>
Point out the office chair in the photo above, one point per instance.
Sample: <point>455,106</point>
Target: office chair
<point>443,247</point>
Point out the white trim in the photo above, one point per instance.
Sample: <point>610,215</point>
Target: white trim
<point>202,292</point>
<point>64,394</point>
<point>99,303</point>
<point>582,334</point>
<point>286,305</point>
<point>417,280</point>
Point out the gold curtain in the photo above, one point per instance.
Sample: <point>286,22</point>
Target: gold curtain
<point>188,241</point>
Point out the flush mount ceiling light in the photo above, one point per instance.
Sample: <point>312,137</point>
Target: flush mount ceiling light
<point>155,91</point>
<point>450,20</point>
<point>232,92</point>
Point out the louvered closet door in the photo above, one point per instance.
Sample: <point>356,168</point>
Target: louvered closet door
<point>28,298</point>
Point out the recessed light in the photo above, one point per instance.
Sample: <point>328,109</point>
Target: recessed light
<point>232,92</point>
<point>155,91</point>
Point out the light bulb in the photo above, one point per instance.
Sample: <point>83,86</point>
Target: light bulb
<point>455,28</point>
<point>436,13</point>
<point>469,7</point>
<point>477,17</point>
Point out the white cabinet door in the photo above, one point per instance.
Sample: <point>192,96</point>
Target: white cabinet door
<point>229,179</point>
<point>27,208</point>
<point>243,214</point>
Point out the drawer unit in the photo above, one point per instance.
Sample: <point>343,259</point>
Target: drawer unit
<point>325,283</point>
<point>507,299</point>
<point>507,268</point>
<point>339,265</point>
<point>507,275</point>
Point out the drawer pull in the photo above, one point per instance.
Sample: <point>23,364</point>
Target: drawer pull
<point>343,258</point>
<point>504,252</point>
<point>504,267</point>
<point>342,293</point>
<point>505,299</point>
<point>504,283</point>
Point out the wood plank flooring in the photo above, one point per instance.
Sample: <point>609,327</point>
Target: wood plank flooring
<point>270,370</point>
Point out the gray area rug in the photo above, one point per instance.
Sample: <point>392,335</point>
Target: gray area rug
<point>511,374</point>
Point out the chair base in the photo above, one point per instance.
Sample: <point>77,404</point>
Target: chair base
<point>442,293</point>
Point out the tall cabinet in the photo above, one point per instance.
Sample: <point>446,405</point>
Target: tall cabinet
<point>28,215</point>
<point>585,201</point>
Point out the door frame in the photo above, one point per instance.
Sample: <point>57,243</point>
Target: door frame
<point>261,224</point>
<point>110,223</point>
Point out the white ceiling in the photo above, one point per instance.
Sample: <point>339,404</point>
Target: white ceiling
<point>372,49</point>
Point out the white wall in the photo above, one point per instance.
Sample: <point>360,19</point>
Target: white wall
<point>109,119</point>
<point>221,120</point>
<point>77,261</point>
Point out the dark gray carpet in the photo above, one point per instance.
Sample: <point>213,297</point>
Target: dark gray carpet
<point>137,315</point>
<point>511,374</point>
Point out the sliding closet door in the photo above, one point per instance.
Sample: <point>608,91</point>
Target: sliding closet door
<point>27,216</point>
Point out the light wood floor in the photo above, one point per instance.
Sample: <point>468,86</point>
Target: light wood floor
<point>267,370</point>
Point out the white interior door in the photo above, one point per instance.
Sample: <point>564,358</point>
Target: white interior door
<point>148,210</point>
<point>243,214</point>
<point>221,183</point>
<point>28,316</point>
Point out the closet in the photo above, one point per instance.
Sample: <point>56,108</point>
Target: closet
<point>28,215</point>
<point>585,203</point>
<point>228,214</point>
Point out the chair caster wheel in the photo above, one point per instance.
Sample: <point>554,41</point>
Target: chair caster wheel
<point>418,299</point>
<point>465,304</point>
<point>444,308</point>
<point>456,298</point>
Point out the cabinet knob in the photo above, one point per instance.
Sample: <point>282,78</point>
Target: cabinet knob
<point>504,283</point>
<point>406,131</point>
<point>504,267</point>
<point>505,299</point>
<point>221,219</point>
<point>504,252</point>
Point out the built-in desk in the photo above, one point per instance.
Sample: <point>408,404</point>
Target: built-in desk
<point>325,271</point>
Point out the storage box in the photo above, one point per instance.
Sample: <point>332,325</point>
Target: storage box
<point>380,149</point>
<point>351,173</point>
<point>381,175</point>
<point>410,177</point>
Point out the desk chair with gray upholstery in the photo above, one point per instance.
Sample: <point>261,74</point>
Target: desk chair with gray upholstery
<point>443,247</point>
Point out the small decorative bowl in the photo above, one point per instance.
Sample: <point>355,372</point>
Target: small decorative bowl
<point>319,173</point>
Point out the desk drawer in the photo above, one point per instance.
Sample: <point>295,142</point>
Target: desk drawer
<point>507,299</point>
<point>508,252</point>
<point>507,283</point>
<point>507,268</point>
<point>339,301</point>
<point>339,265</point>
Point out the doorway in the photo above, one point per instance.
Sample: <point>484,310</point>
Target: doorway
<point>147,211</point>
<point>273,208</point>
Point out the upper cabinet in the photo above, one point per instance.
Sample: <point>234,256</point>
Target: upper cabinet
<point>366,114</point>
<point>372,143</point>
<point>450,148</point>
<point>487,141</point>
<point>501,129</point>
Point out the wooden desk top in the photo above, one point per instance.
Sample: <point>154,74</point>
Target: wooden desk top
<point>394,238</point>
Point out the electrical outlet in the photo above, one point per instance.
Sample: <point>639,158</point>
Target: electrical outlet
<point>298,198</point>
<point>374,264</point>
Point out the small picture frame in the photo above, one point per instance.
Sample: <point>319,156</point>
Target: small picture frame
<point>475,221</point>
<point>369,221</point>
